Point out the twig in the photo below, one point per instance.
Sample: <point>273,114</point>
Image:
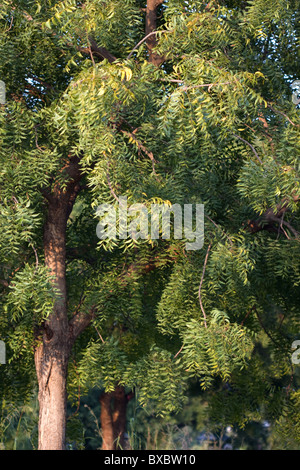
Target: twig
<point>281,228</point>
<point>289,226</point>
<point>36,258</point>
<point>110,185</point>
<point>10,26</point>
<point>141,147</point>
<point>217,226</point>
<point>143,40</point>
<point>282,114</point>
<point>280,220</point>
<point>251,146</point>
<point>199,292</point>
<point>36,139</point>
<point>178,352</point>
<point>99,335</point>
<point>247,315</point>
<point>209,85</point>
<point>91,55</point>
<point>190,87</point>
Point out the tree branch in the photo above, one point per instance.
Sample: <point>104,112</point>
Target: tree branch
<point>101,51</point>
<point>80,321</point>
<point>97,50</point>
<point>191,87</point>
<point>267,220</point>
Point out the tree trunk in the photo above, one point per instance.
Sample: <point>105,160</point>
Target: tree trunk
<point>56,336</point>
<point>119,416</point>
<point>52,366</point>
<point>113,419</point>
<point>151,22</point>
<point>51,356</point>
<point>108,442</point>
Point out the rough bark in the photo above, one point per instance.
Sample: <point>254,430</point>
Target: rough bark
<point>52,364</point>
<point>51,356</point>
<point>56,336</point>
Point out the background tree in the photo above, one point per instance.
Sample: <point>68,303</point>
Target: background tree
<point>177,102</point>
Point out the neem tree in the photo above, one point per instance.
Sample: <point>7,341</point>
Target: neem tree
<point>176,102</point>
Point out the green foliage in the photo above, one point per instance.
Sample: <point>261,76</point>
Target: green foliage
<point>288,424</point>
<point>218,349</point>
<point>160,384</point>
<point>19,222</point>
<point>18,427</point>
<point>31,294</point>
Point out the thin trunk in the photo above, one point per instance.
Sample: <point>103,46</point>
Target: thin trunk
<point>113,419</point>
<point>106,422</point>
